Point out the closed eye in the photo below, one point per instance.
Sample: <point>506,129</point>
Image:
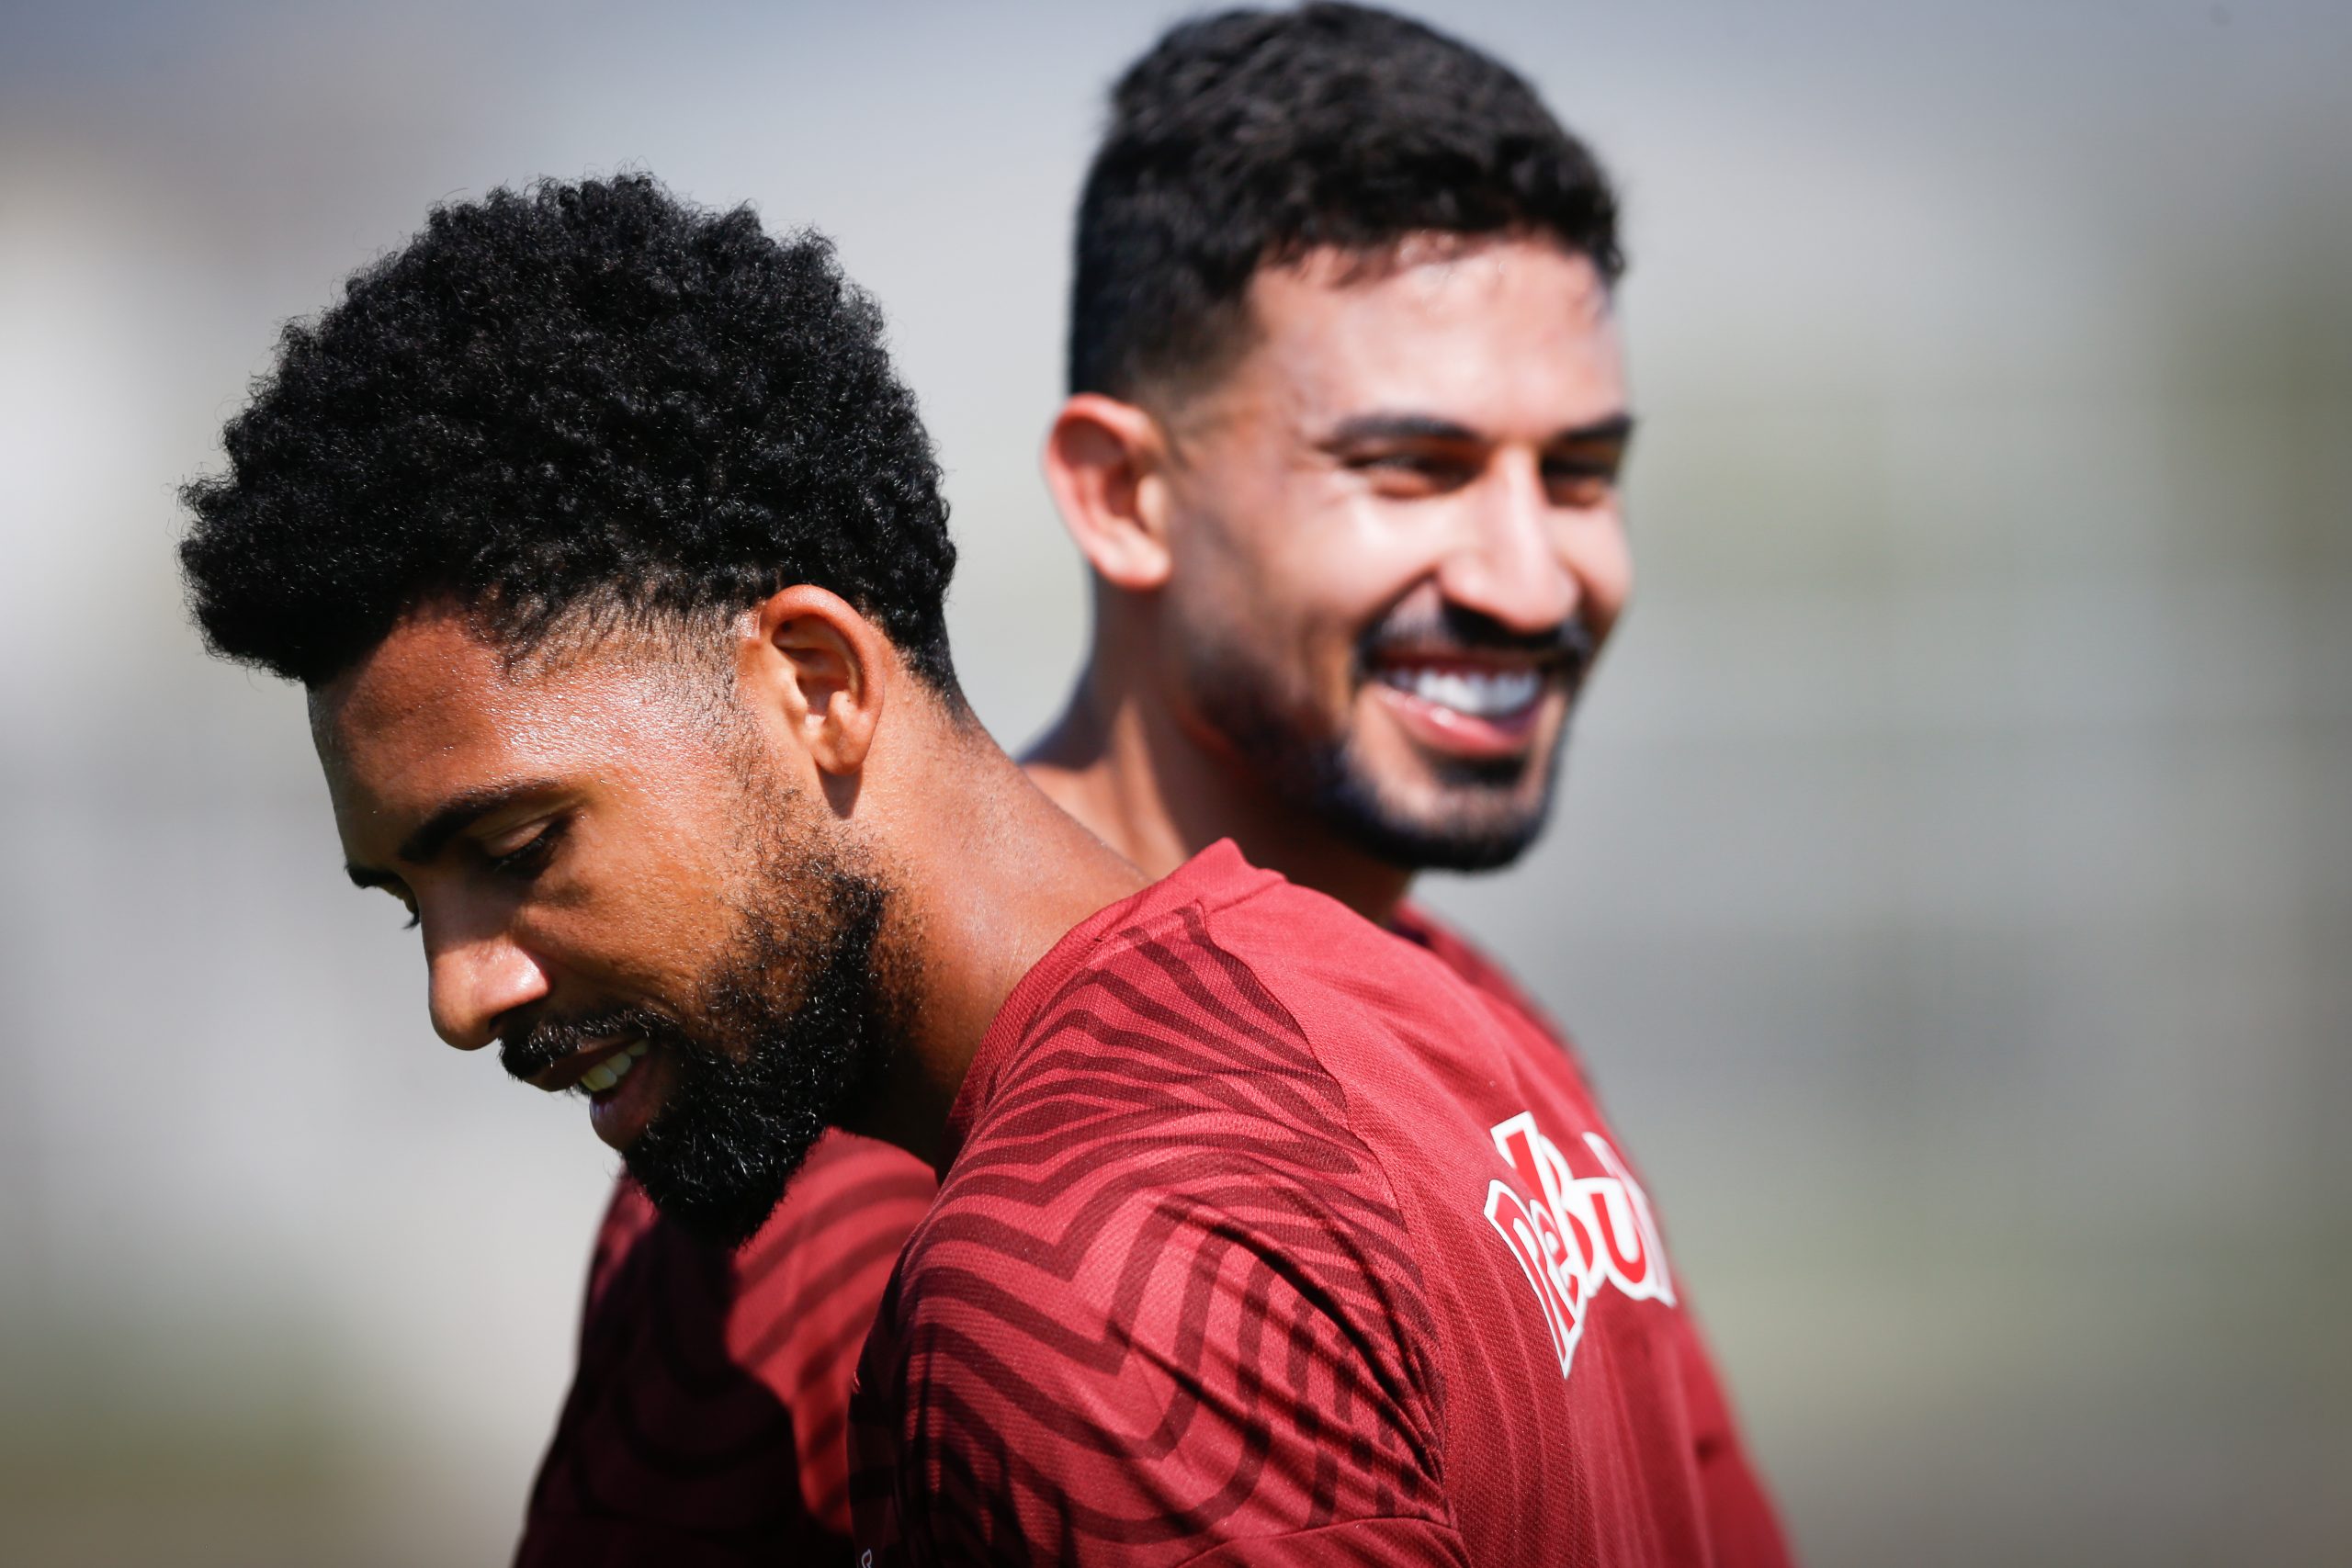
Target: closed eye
<point>1578,484</point>
<point>1412,471</point>
<point>528,857</point>
<point>1583,472</point>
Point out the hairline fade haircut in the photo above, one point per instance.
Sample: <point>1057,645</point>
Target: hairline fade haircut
<point>577,409</point>
<point>1248,138</point>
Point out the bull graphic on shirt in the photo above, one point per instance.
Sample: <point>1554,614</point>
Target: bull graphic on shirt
<point>1576,1225</point>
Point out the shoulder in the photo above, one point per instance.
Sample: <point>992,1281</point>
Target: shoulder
<point>1163,1278</point>
<point>1185,1000</point>
<point>1483,974</point>
<point>1187,1066</point>
<point>1166,1105</point>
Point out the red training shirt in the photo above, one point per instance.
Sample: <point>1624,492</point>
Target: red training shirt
<point>1266,1238</point>
<point>706,1425</point>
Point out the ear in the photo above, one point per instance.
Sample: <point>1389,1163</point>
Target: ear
<point>1105,461</point>
<point>821,668</point>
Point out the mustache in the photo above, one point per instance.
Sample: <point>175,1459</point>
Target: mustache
<point>1450,629</point>
<point>542,1043</point>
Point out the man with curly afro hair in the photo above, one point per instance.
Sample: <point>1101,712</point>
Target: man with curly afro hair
<point>597,527</point>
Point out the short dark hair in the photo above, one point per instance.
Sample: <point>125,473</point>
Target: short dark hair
<point>575,397</point>
<point>1247,139</point>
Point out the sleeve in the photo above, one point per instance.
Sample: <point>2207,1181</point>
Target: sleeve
<point>1187,1347</point>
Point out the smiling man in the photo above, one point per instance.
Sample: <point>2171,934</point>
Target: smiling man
<point>597,481</point>
<point>1348,412</point>
<point>1347,588</point>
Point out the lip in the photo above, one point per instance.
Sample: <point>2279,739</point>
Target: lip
<point>1440,656</point>
<point>1454,732</point>
<point>1460,734</point>
<point>620,1114</point>
<point>572,1069</point>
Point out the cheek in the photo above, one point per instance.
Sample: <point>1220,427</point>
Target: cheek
<point>1282,576</point>
<point>634,939</point>
<point>637,899</point>
<point>1290,628</point>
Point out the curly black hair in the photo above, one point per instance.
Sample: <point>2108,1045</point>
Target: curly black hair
<point>1247,139</point>
<point>574,398</point>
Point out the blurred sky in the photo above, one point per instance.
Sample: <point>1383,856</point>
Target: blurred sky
<point>1953,888</point>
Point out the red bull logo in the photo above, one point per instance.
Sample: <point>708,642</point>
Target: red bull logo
<point>1576,1226</point>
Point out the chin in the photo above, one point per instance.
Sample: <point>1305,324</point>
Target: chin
<point>1452,827</point>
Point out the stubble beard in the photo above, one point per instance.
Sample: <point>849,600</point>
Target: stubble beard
<point>1485,818</point>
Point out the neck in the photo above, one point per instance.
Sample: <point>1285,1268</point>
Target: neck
<point>990,875</point>
<point>1158,791</point>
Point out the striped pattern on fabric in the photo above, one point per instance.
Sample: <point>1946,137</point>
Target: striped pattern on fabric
<point>1271,1236</point>
<point>1171,1300</point>
<point>707,1423</point>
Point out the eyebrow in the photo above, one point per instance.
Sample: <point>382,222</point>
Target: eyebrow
<point>1371,428</point>
<point>455,815</point>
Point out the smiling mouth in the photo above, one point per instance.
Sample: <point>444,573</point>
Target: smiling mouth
<point>605,1074</point>
<point>1493,694</point>
<point>592,1069</point>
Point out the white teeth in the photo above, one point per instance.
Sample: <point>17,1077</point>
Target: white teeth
<point>612,1069</point>
<point>1479,694</point>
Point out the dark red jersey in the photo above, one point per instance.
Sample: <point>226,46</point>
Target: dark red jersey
<point>1268,1238</point>
<point>707,1424</point>
<point>1741,1523</point>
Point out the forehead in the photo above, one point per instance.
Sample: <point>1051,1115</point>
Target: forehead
<point>433,711</point>
<point>1507,336</point>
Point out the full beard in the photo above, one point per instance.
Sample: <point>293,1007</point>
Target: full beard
<point>761,1078</point>
<point>790,1032</point>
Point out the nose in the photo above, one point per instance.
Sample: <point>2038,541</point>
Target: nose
<point>476,982</point>
<point>1511,563</point>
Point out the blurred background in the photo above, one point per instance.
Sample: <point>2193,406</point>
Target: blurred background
<point>1953,888</point>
